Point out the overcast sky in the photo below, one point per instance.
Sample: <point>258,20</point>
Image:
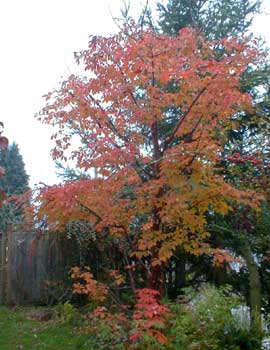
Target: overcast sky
<point>37,41</point>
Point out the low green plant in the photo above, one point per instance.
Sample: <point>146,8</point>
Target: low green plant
<point>106,330</point>
<point>20,329</point>
<point>66,313</point>
<point>208,323</point>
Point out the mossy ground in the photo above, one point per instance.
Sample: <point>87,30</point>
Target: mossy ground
<point>20,330</point>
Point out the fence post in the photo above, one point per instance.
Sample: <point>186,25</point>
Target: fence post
<point>9,265</point>
<point>3,267</point>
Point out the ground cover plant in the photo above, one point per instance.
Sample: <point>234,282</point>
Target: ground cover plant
<point>22,328</point>
<point>207,322</point>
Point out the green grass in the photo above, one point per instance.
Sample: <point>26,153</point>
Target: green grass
<point>18,330</point>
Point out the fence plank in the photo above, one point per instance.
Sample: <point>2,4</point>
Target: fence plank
<point>3,271</point>
<point>27,261</point>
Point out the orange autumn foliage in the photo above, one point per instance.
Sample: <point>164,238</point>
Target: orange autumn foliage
<point>150,115</point>
<point>86,284</point>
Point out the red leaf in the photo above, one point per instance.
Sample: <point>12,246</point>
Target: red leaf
<point>3,142</point>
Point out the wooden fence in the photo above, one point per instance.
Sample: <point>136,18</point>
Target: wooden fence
<point>29,264</point>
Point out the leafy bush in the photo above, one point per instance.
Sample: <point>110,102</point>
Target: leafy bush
<point>66,313</point>
<point>106,330</point>
<point>208,323</point>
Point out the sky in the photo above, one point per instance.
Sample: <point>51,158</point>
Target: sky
<point>37,41</point>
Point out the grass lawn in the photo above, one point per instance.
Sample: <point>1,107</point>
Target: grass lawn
<point>20,330</point>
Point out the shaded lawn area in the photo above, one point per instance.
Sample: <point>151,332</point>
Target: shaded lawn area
<point>19,330</point>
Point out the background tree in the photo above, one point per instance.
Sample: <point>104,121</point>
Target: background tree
<point>14,182</point>
<point>216,20</point>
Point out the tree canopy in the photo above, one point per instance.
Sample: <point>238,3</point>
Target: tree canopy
<point>15,180</point>
<point>153,187</point>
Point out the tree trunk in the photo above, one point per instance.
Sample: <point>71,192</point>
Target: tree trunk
<point>155,279</point>
<point>254,292</point>
<point>180,271</point>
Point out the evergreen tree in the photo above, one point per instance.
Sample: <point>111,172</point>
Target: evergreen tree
<point>14,182</point>
<point>216,19</point>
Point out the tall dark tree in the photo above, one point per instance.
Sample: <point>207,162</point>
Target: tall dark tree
<point>216,19</point>
<point>14,182</point>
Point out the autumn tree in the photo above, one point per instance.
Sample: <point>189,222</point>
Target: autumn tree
<point>154,189</point>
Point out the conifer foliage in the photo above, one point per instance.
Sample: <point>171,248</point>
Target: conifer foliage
<point>216,19</point>
<point>14,182</point>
